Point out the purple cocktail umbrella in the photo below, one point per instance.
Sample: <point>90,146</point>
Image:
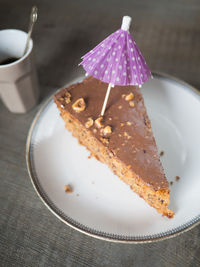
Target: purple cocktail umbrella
<point>117,61</point>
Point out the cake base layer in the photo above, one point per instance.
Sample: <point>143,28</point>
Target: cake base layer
<point>158,199</point>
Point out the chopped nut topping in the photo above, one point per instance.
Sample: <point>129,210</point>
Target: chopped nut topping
<point>127,135</point>
<point>129,97</point>
<point>67,94</point>
<point>131,104</point>
<point>98,122</point>
<point>107,130</point>
<point>104,140</point>
<point>68,189</point>
<point>119,135</point>
<point>89,123</point>
<point>79,105</point>
<point>95,130</point>
<point>110,119</point>
<point>128,123</point>
<point>120,107</point>
<point>61,99</point>
<point>122,124</point>
<point>123,96</point>
<point>67,97</point>
<point>67,100</point>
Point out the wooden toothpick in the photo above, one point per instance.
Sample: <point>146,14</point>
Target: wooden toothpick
<point>106,99</point>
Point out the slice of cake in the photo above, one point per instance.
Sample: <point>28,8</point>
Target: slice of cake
<point>122,139</point>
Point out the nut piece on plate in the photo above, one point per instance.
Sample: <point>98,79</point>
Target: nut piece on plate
<point>129,97</point>
<point>107,130</point>
<point>67,97</point>
<point>89,123</point>
<point>68,189</point>
<point>79,105</point>
<point>98,122</point>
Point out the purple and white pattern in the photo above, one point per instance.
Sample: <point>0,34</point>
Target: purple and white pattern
<point>117,60</point>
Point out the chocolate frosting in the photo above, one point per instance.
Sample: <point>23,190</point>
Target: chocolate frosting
<point>131,139</point>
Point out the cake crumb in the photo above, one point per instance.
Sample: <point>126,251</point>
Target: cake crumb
<point>161,153</point>
<point>171,183</point>
<point>77,195</point>
<point>177,178</point>
<point>92,182</point>
<point>90,156</point>
<point>68,189</point>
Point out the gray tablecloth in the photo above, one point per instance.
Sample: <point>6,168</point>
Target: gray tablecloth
<point>168,34</point>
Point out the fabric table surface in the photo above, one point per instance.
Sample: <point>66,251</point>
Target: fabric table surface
<point>168,34</point>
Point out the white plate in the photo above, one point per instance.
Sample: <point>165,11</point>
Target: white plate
<point>101,205</point>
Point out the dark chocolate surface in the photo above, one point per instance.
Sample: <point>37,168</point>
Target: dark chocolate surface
<point>131,139</point>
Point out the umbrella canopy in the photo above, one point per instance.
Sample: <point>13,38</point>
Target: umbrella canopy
<point>117,60</point>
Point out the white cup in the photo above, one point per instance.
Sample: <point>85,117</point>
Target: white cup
<point>18,80</point>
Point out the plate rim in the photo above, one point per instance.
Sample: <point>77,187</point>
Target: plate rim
<point>85,229</point>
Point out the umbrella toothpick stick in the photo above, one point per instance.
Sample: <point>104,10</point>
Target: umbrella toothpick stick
<point>106,99</point>
<point>125,26</point>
